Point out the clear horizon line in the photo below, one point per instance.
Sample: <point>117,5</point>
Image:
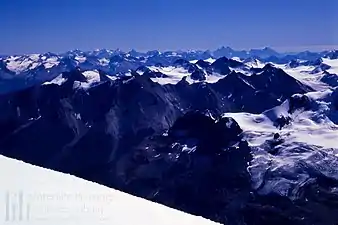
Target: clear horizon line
<point>279,49</point>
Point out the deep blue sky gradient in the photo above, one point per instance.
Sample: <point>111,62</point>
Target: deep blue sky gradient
<point>59,25</point>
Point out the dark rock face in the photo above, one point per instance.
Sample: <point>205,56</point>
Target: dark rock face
<point>194,164</point>
<point>181,62</point>
<point>271,78</point>
<point>320,68</point>
<point>259,89</point>
<point>202,64</point>
<point>142,69</point>
<point>294,63</point>
<point>330,79</point>
<point>334,96</point>
<point>4,69</point>
<point>154,74</point>
<point>332,54</point>
<point>211,135</point>
<point>191,68</point>
<point>299,102</point>
<point>68,116</point>
<point>198,75</point>
<point>282,121</point>
<point>221,66</point>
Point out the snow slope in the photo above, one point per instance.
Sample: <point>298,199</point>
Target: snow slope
<point>33,196</point>
<point>308,74</point>
<point>312,126</point>
<point>305,148</point>
<point>333,63</point>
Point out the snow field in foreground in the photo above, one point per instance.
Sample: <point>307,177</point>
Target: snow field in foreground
<point>32,195</point>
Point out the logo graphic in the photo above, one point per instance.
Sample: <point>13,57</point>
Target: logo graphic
<point>16,209</point>
<point>21,206</point>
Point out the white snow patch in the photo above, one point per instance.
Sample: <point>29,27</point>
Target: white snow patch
<point>303,74</point>
<point>210,60</point>
<point>34,57</point>
<point>50,62</point>
<point>19,64</point>
<point>80,59</point>
<point>237,59</point>
<point>104,62</point>
<point>175,74</point>
<point>310,127</point>
<point>333,63</point>
<point>59,80</point>
<point>213,78</point>
<point>255,63</point>
<point>34,65</point>
<point>92,76</point>
<point>112,77</point>
<point>33,195</point>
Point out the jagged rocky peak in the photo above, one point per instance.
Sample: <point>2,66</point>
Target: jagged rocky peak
<point>210,134</point>
<point>269,68</point>
<point>74,75</point>
<point>198,75</point>
<point>294,63</point>
<point>299,101</point>
<point>282,121</point>
<point>199,150</point>
<point>330,79</point>
<point>153,53</point>
<point>221,61</point>
<point>116,58</point>
<point>154,74</point>
<point>233,83</point>
<point>221,66</point>
<point>202,63</point>
<point>229,62</point>
<point>4,70</point>
<point>263,53</point>
<point>223,51</point>
<point>320,68</point>
<point>186,65</point>
<point>183,82</point>
<point>142,69</point>
<point>332,54</point>
<point>317,62</point>
<point>181,62</point>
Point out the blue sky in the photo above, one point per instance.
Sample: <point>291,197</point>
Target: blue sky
<point>60,25</point>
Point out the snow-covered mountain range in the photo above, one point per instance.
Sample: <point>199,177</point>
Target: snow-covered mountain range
<point>19,71</point>
<point>239,137</point>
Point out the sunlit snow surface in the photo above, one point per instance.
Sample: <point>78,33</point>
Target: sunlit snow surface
<point>333,63</point>
<point>92,78</point>
<point>20,64</point>
<point>308,144</point>
<point>175,75</point>
<point>307,76</point>
<point>32,195</point>
<point>59,80</point>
